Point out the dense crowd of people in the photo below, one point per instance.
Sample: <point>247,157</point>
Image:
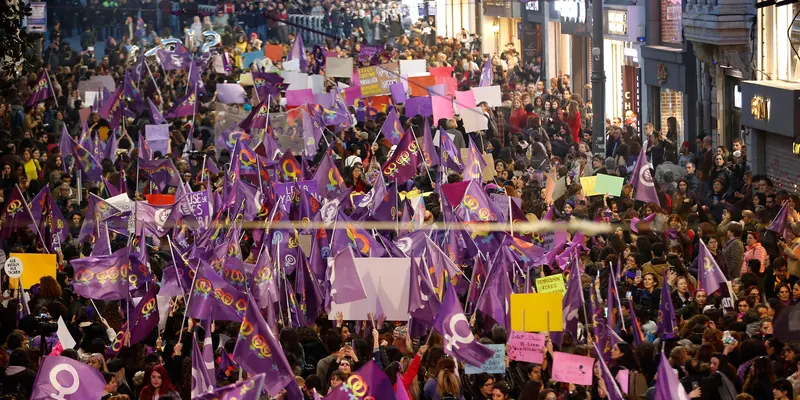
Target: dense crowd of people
<point>65,159</point>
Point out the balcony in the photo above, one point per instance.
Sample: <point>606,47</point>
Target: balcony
<point>718,22</point>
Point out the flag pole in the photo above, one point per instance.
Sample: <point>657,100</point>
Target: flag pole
<point>172,253</point>
<point>52,88</point>
<point>154,81</point>
<point>185,313</point>
<point>38,232</point>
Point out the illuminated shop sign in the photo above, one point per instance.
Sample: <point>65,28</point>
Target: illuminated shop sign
<point>759,108</point>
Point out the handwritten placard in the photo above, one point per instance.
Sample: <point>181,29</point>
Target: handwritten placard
<point>527,347</point>
<point>377,80</point>
<point>572,369</point>
<point>551,284</point>
<point>494,365</point>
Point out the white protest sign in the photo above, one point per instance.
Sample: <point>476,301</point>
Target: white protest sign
<point>385,280</point>
<point>13,267</point>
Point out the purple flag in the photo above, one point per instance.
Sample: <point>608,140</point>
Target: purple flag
<point>132,93</point>
<point>346,285</point>
<point>636,327</point>
<point>212,296</point>
<point>267,84</point>
<point>668,386</point>
<point>666,313</point>
<point>178,59</point>
<point>161,171</point>
<point>613,391</point>
<point>298,52</point>
<point>42,91</point>
<point>184,106</point>
<point>355,237</point>
<point>208,349</point>
<point>195,81</point>
<point>368,382</point>
<point>398,92</point>
<point>487,74</point>
<point>455,329</point>
<point>87,163</point>
<point>248,389</point>
<point>145,316</point>
<point>431,158</point>
<point>329,180</point>
<point>226,366</point>
<point>450,154</point>
<point>644,188</point>
<point>475,206</point>
<point>419,106</point>
<point>478,280</point>
<point>67,379</point>
<point>780,224</point>
<point>496,295</point>
<point>423,303</point>
<point>155,116</point>
<point>113,108</point>
<point>48,218</point>
<point>474,165</point>
<point>262,282</point>
<point>201,382</point>
<point>66,144</point>
<point>404,162</point>
<point>308,294</point>
<point>709,275</point>
<point>231,93</point>
<point>572,301</point>
<point>391,128</point>
<point>257,119</point>
<point>102,277</point>
<point>257,351</point>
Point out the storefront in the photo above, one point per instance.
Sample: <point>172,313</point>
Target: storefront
<point>671,87</point>
<point>769,114</point>
<point>500,21</point>
<point>621,48</point>
<point>566,48</point>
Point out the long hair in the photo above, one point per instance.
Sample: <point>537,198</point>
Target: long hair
<point>447,380</point>
<point>148,391</point>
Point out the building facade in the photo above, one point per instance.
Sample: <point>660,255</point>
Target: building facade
<point>622,29</point>
<point>719,32</point>
<point>671,82</point>
<point>769,103</point>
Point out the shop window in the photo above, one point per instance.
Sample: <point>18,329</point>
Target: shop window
<point>777,52</point>
<point>671,29</point>
<point>672,106</point>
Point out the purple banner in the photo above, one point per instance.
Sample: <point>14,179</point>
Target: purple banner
<point>284,191</point>
<point>198,204</point>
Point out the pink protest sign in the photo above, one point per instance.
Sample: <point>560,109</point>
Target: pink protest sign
<point>465,99</point>
<point>524,346</point>
<point>623,376</point>
<point>442,107</point>
<point>572,369</point>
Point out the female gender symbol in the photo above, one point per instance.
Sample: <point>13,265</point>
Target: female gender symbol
<point>64,391</point>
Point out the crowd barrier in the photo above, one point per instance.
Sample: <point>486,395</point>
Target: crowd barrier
<point>315,25</point>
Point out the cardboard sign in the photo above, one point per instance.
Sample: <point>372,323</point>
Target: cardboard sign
<point>494,365</point>
<point>527,347</point>
<point>36,266</point>
<point>551,284</point>
<point>572,369</point>
<point>378,79</point>
<point>336,67</point>
<point>608,184</point>
<point>588,184</point>
<point>274,52</point>
<point>536,312</point>
<point>386,280</point>
<point>418,85</point>
<point>492,95</point>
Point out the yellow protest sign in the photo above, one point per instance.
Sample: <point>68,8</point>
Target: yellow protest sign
<point>536,312</point>
<point>551,284</point>
<point>35,266</point>
<point>588,183</point>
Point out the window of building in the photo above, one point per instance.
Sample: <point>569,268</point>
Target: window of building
<point>671,29</point>
<point>777,51</point>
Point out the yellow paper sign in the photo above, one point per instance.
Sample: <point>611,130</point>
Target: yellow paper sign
<point>536,312</point>
<point>588,184</point>
<point>35,266</point>
<point>551,284</point>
